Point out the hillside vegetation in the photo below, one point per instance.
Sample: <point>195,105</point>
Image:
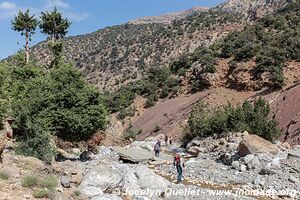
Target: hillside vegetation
<point>43,104</point>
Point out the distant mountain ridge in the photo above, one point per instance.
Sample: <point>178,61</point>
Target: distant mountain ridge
<point>169,17</point>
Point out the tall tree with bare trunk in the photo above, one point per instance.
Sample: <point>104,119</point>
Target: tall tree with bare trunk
<point>26,24</point>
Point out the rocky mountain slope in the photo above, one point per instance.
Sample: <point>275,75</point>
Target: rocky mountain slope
<point>168,18</point>
<point>116,55</point>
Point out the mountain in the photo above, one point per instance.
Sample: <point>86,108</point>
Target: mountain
<point>236,51</point>
<point>168,18</point>
<point>116,55</point>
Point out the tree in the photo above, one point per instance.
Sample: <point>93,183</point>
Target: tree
<point>26,24</point>
<point>54,25</point>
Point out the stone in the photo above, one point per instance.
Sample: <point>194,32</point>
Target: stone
<point>65,182</point>
<point>243,168</point>
<point>294,153</point>
<point>253,144</point>
<point>236,164</point>
<point>248,158</point>
<point>254,163</point>
<point>293,179</point>
<point>149,145</point>
<point>62,155</point>
<point>86,156</point>
<point>147,179</point>
<point>133,155</point>
<point>209,79</point>
<point>101,178</point>
<point>76,178</point>
<point>106,197</point>
<point>271,168</point>
<point>195,150</point>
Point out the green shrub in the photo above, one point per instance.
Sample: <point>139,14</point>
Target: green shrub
<point>49,182</point>
<point>130,134</point>
<point>150,101</point>
<point>40,193</point>
<point>30,181</point>
<point>253,118</point>
<point>4,176</point>
<point>62,103</point>
<point>157,128</point>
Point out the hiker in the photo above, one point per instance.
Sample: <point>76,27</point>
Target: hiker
<point>157,149</point>
<point>170,140</point>
<point>178,163</point>
<point>166,140</point>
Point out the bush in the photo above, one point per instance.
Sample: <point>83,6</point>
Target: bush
<point>157,128</point>
<point>62,103</point>
<point>30,181</point>
<point>130,134</point>
<point>150,101</point>
<point>40,193</point>
<point>253,118</point>
<point>4,176</point>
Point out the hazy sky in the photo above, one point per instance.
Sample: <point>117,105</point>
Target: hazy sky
<point>86,15</point>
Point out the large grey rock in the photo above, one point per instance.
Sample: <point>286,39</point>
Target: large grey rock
<point>253,144</point>
<point>147,179</point>
<point>106,197</point>
<point>133,155</point>
<point>271,168</point>
<point>195,150</point>
<point>100,179</point>
<point>147,145</point>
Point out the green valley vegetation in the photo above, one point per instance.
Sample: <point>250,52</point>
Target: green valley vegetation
<point>45,103</point>
<point>252,117</point>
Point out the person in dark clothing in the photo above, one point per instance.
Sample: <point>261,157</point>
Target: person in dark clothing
<point>179,167</point>
<point>171,140</point>
<point>157,149</point>
<point>166,140</point>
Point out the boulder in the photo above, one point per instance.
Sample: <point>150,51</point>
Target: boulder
<point>271,168</point>
<point>253,144</point>
<point>65,182</point>
<point>101,178</point>
<point>147,179</point>
<point>209,79</point>
<point>147,145</point>
<point>134,155</point>
<point>195,150</point>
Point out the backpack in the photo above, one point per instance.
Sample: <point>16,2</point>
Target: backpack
<point>177,160</point>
